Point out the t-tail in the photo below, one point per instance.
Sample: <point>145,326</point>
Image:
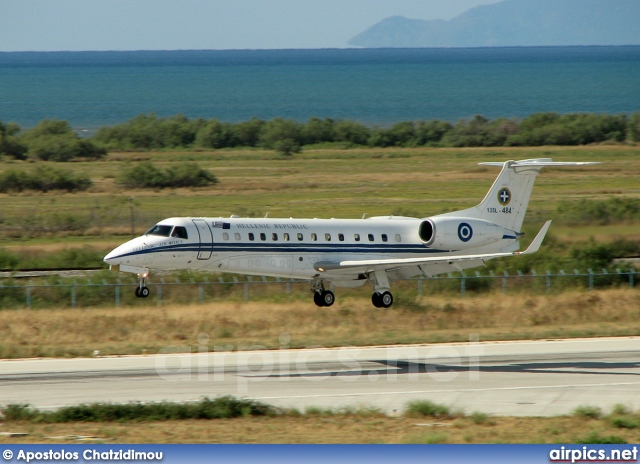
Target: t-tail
<point>506,202</point>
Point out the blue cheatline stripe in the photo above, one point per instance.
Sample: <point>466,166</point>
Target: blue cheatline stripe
<point>290,248</point>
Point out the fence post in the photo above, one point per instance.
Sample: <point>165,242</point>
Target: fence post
<point>504,282</point>
<point>246,291</point>
<point>29,294</point>
<point>463,283</point>
<point>548,281</point>
<point>200,293</point>
<point>117,295</point>
<point>73,294</point>
<point>631,275</point>
<point>590,279</point>
<point>420,280</point>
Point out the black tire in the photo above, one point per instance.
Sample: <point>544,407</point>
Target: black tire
<point>318,299</point>
<point>328,298</point>
<point>144,292</point>
<point>376,299</point>
<point>386,300</point>
<point>138,292</point>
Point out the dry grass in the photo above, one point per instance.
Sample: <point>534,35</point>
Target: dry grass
<point>351,321</point>
<point>330,429</point>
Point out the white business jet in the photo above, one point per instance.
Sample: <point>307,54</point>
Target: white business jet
<point>344,252</point>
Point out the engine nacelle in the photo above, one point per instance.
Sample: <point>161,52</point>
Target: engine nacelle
<point>453,233</point>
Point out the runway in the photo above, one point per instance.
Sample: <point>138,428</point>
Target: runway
<point>528,378</point>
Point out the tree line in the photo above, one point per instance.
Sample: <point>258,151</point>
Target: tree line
<point>55,140</point>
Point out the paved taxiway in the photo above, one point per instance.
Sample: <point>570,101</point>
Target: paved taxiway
<point>529,378</point>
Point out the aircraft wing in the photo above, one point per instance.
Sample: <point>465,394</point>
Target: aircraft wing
<point>399,263</point>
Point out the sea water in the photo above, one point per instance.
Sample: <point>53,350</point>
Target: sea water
<point>372,86</point>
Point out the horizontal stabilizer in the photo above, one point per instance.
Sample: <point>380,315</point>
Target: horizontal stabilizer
<point>540,162</point>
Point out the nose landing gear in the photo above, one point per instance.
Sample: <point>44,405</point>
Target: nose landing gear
<point>142,291</point>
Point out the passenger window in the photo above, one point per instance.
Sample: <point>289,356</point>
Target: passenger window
<point>236,236</point>
<point>285,237</point>
<point>327,237</point>
<point>251,236</point>
<point>314,237</point>
<point>225,236</point>
<point>180,232</point>
<point>398,238</point>
<point>263,236</point>
<point>300,237</point>
<point>274,237</point>
<point>371,237</point>
<point>341,237</point>
<point>384,237</point>
<point>356,237</point>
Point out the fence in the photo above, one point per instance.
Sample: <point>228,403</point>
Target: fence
<point>74,294</point>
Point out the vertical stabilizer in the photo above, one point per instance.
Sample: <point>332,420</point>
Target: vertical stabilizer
<point>507,200</point>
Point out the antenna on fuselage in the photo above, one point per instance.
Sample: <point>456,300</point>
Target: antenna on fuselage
<point>266,215</point>
<point>364,215</point>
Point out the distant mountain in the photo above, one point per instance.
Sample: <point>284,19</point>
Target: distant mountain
<point>515,23</point>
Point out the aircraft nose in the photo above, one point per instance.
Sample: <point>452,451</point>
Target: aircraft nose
<point>112,257</point>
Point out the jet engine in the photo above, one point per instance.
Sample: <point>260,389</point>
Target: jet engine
<point>458,233</point>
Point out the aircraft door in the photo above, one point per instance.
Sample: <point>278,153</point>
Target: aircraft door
<point>205,239</point>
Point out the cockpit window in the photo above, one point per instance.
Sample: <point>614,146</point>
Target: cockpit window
<point>161,230</point>
<point>180,232</point>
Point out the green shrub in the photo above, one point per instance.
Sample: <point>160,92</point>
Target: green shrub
<point>426,408</point>
<point>146,175</point>
<point>625,422</point>
<point>150,132</point>
<point>44,179</point>
<point>9,143</point>
<point>54,140</point>
<point>224,407</point>
<point>592,412</point>
<point>146,132</point>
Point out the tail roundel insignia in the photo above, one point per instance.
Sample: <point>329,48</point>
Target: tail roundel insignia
<point>504,196</point>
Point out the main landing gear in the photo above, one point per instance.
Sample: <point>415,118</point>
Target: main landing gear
<point>321,296</point>
<point>382,300</point>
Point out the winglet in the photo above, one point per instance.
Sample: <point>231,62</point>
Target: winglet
<point>535,245</point>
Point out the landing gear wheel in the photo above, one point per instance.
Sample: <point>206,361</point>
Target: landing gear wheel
<point>142,292</point>
<point>386,300</point>
<point>382,300</point>
<point>324,298</point>
<point>328,298</point>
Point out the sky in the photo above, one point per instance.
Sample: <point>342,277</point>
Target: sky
<point>57,25</point>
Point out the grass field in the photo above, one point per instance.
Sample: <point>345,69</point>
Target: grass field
<point>316,183</point>
<point>321,183</point>
<point>350,322</point>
